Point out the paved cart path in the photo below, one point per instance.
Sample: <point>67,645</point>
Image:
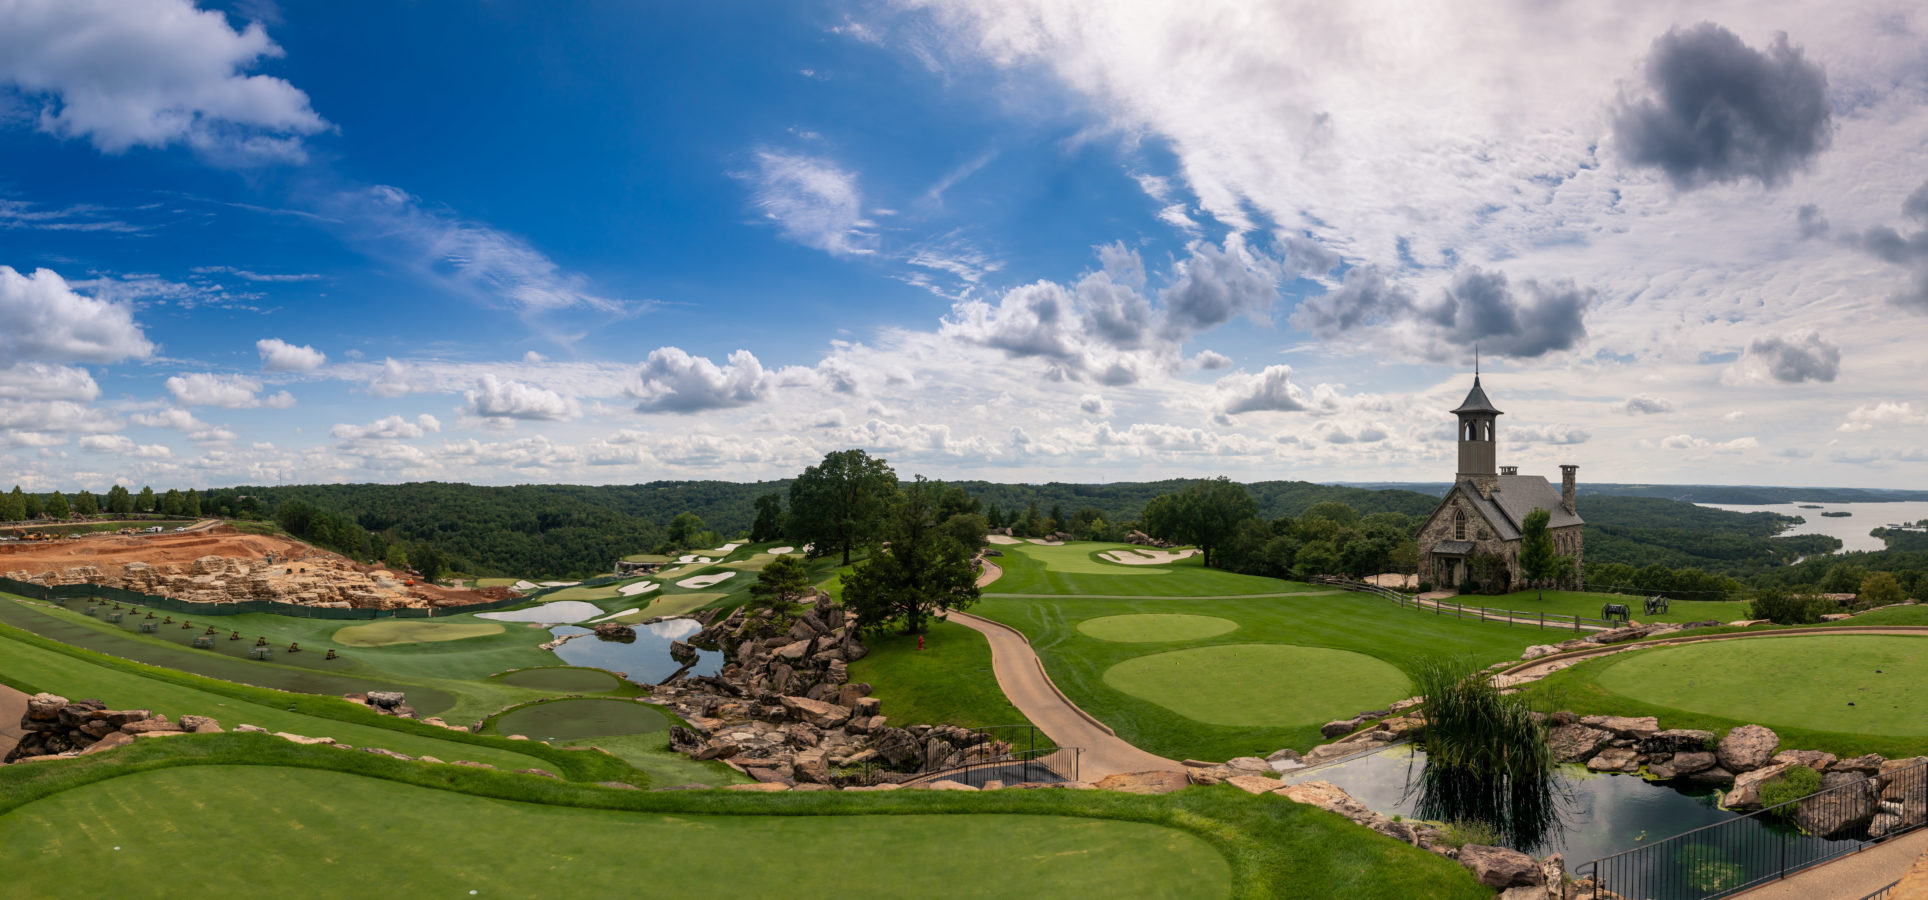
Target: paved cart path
<point>1022,677</point>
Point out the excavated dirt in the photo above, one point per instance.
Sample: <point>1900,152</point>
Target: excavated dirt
<point>225,565</point>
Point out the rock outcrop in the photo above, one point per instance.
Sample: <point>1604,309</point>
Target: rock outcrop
<point>55,726</point>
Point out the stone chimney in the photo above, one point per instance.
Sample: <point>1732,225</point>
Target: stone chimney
<point>1509,470</point>
<point>1568,475</point>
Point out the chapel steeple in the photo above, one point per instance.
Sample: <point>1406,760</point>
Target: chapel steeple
<point>1478,461</point>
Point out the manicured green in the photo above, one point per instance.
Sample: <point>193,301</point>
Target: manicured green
<point>1273,848</point>
<point>1893,615</point>
<point>1153,628</point>
<point>1586,603</point>
<point>1753,693</point>
<point>950,681</point>
<point>1863,684</point>
<point>654,604</point>
<point>389,632</point>
<point>1074,569</point>
<point>1260,684</point>
<point>574,719</point>
<point>573,679</point>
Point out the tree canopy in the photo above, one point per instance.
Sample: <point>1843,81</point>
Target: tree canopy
<point>1206,513</point>
<point>838,504</point>
<point>925,572</point>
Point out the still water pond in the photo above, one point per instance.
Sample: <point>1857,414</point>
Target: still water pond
<point>1852,528</point>
<point>645,660</point>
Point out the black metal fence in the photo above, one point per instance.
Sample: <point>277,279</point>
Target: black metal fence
<point>1732,856</point>
<point>1030,757</point>
<point>55,593</point>
<point>1529,618</point>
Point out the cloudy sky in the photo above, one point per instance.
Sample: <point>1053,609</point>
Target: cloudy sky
<point>1021,240</point>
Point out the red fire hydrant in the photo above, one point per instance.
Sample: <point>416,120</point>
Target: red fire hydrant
<point>920,642</point>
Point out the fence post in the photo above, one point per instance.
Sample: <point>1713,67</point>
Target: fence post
<point>1543,620</point>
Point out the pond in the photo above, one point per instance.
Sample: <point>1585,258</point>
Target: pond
<point>1852,529</point>
<point>1600,814</point>
<point>645,660</point>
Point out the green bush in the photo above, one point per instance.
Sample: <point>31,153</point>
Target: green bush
<point>1783,608</point>
<point>1795,783</point>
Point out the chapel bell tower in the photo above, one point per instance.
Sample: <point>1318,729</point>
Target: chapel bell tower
<point>1478,462</point>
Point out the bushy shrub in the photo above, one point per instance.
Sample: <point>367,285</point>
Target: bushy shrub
<point>1783,608</point>
<point>1795,783</point>
<point>1425,587</point>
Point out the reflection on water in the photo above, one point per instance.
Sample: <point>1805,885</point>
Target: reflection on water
<point>645,660</point>
<point>1598,814</point>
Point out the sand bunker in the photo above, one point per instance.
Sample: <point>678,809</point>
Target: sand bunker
<point>703,581</point>
<point>1145,557</point>
<point>724,550</point>
<point>693,558</point>
<point>640,587</point>
<point>1047,543</point>
<point>779,551</point>
<point>629,611</point>
<point>566,612</point>
<point>1002,539</point>
<point>560,583</point>
<point>524,585</point>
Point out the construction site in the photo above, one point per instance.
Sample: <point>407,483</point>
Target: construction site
<point>216,563</point>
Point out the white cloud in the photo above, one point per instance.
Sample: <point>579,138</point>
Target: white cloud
<point>278,355</point>
<point>1788,359</point>
<point>122,445</point>
<point>389,428</point>
<point>812,201</point>
<point>43,319</point>
<point>1094,405</point>
<point>1549,434</point>
<point>1209,359</point>
<point>224,391</point>
<point>671,380</point>
<point>497,398</point>
<point>1886,414</point>
<point>1644,404</point>
<point>183,421</point>
<point>396,378</point>
<point>1271,390</point>
<point>1690,442</point>
<point>152,73</point>
<point>248,275</point>
<point>39,381</point>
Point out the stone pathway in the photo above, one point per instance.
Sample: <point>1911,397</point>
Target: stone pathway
<point>13,707</point>
<point>1022,677</point>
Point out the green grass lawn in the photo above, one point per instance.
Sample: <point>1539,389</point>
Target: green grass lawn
<point>1897,615</point>
<point>1800,686</point>
<point>1074,569</point>
<point>948,682</point>
<point>1588,604</point>
<point>570,679</point>
<point>390,632</point>
<point>1196,683</point>
<point>234,813</point>
<point>1155,628</point>
<point>571,719</point>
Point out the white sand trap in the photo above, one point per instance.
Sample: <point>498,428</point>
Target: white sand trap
<point>703,581</point>
<point>565,612</point>
<point>616,615</point>
<point>779,551</point>
<point>724,550</point>
<point>1145,557</point>
<point>694,558</point>
<point>1002,539</point>
<point>1047,543</point>
<point>640,587</point>
<point>524,585</point>
<point>559,583</point>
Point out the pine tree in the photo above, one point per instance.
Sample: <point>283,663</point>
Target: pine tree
<point>146,502</point>
<point>57,507</point>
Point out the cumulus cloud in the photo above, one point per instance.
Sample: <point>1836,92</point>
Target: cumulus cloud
<point>1907,251</point>
<point>1690,442</point>
<point>501,398</point>
<point>1358,434</point>
<point>152,73</point>
<point>813,202</point>
<point>224,391</point>
<point>43,319</point>
<point>183,421</point>
<point>278,355</point>
<point>389,428</point>
<point>1364,297</point>
<point>1645,404</point>
<point>1548,434</point>
<point>1094,405</point>
<point>40,381</point>
<point>122,445</point>
<point>673,381</point>
<point>1789,359</point>
<point>1218,284</point>
<point>1886,414</point>
<point>1721,111</point>
<point>1481,308</point>
<point>1271,390</point>
<point>1211,359</point>
<point>396,378</point>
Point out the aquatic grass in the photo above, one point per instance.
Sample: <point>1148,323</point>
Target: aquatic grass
<point>1487,760</point>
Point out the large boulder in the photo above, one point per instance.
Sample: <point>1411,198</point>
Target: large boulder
<point>1625,726</point>
<point>1615,759</point>
<point>1338,727</point>
<point>1573,743</point>
<point>615,631</point>
<point>1499,867</point>
<point>1159,782</point>
<point>1746,793</point>
<point>385,699</point>
<point>1747,748</point>
<point>1678,740</point>
<point>1682,764</point>
<point>1847,804</point>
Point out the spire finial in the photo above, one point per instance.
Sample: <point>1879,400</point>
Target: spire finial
<point>1475,360</point>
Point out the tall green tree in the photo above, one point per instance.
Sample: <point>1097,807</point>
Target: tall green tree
<point>430,562</point>
<point>173,503</point>
<point>683,529</point>
<point>1880,589</point>
<point>1539,561</point>
<point>119,501</point>
<point>839,504</point>
<point>191,504</point>
<point>13,507</point>
<point>769,519</point>
<point>86,503</point>
<point>925,572</point>
<point>35,506</point>
<point>1056,522</point>
<point>780,588</point>
<point>58,507</point>
<point>994,518</point>
<point>1205,513</point>
<point>146,502</point>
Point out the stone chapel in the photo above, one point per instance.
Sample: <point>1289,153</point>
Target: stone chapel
<point>1487,505</point>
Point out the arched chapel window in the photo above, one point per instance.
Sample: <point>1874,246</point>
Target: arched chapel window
<point>1459,524</point>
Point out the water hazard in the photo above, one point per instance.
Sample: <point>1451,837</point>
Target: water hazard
<point>645,660</point>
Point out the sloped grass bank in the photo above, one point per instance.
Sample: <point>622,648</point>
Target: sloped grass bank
<point>1202,842</point>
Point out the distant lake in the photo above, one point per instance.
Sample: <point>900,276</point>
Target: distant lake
<point>1852,529</point>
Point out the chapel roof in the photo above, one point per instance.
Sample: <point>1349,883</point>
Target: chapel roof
<point>1476,401</point>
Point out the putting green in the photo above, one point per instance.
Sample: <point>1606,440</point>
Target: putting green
<point>1277,685</point>
<point>569,720</point>
<point>317,831</point>
<point>389,632</point>
<point>1861,684</point>
<point>1152,627</point>
<point>562,678</point>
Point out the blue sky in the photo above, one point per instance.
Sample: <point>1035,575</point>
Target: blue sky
<point>1012,239</point>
